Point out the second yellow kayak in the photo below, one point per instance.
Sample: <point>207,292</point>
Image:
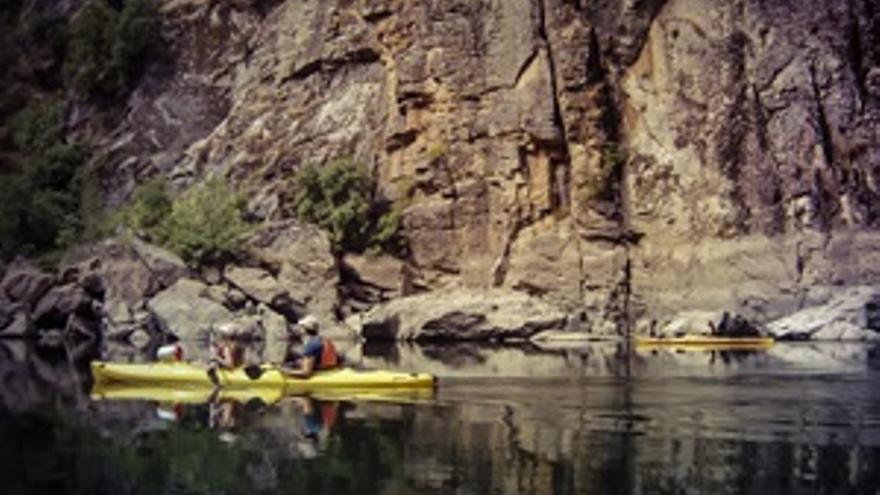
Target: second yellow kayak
<point>707,342</point>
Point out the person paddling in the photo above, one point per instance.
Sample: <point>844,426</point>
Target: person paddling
<point>226,354</point>
<point>319,352</point>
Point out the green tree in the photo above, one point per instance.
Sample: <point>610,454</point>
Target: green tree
<point>38,127</point>
<point>150,207</point>
<point>340,199</point>
<point>136,34</point>
<point>40,196</point>
<point>205,223</point>
<point>108,49</point>
<point>90,68</point>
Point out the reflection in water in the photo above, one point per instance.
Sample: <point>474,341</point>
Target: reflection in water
<point>504,420</point>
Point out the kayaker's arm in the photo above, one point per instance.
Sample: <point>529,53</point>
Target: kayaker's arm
<point>306,369</point>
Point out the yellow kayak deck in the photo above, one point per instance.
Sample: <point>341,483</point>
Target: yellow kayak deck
<point>178,373</point>
<point>706,342</point>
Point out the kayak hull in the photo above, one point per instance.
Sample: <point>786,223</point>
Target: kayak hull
<point>706,342</point>
<point>200,394</point>
<point>177,373</point>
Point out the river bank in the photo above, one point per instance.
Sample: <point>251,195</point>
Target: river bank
<point>126,290</point>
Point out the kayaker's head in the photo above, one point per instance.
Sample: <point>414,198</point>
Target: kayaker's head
<point>309,324</point>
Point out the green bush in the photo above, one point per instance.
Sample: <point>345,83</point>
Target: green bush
<point>96,221</point>
<point>107,49</point>
<point>40,196</point>
<point>150,207</point>
<point>339,198</point>
<point>38,127</point>
<point>205,223</point>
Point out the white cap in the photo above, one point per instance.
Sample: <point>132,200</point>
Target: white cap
<point>308,322</point>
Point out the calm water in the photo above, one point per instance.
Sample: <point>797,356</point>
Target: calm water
<point>797,419</point>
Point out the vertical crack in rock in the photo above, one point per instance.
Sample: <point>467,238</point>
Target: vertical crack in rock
<point>561,159</point>
<point>502,264</point>
<point>822,120</point>
<point>733,134</point>
<point>856,54</point>
<point>823,196</point>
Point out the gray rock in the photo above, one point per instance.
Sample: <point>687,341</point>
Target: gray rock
<point>130,271</point>
<point>461,314</point>
<point>184,311</point>
<point>78,326</point>
<point>307,275</point>
<point>844,317</point>
<point>720,323</point>
<point>7,310</point>
<point>274,324</point>
<point>258,284</point>
<point>19,326</point>
<point>381,272</point>
<point>25,283</point>
<point>53,310</point>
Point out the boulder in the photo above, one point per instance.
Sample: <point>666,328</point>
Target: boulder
<point>19,324</point>
<point>25,283</point>
<point>274,324</point>
<point>129,271</point>
<point>53,310</point>
<point>257,284</point>
<point>721,323</point>
<point>78,326</point>
<point>369,280</point>
<point>384,273</point>
<point>7,310</point>
<point>461,314</point>
<point>300,255</point>
<point>847,316</point>
<point>184,311</point>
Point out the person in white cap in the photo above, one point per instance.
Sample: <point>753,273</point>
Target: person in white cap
<point>319,353</point>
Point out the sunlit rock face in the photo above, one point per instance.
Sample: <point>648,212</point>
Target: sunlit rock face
<point>752,128</point>
<point>626,159</point>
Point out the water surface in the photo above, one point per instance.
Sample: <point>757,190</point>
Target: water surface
<point>797,419</point>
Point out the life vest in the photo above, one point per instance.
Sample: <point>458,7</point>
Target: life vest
<point>329,356</point>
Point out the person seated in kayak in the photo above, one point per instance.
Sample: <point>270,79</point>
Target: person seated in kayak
<point>226,354</point>
<point>319,352</point>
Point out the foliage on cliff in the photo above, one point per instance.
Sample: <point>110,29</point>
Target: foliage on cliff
<point>108,47</point>
<point>49,199</point>
<point>41,192</point>
<point>340,199</point>
<point>203,225</point>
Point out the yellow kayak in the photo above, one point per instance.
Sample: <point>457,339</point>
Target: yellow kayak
<point>706,342</point>
<point>200,394</point>
<point>179,373</point>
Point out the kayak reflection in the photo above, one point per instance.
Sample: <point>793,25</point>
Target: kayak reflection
<point>230,410</point>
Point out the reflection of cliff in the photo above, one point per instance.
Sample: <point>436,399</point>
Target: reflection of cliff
<point>605,447</point>
<point>568,361</point>
<point>32,375</point>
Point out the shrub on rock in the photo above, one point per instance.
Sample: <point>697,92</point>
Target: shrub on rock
<point>205,223</point>
<point>340,199</point>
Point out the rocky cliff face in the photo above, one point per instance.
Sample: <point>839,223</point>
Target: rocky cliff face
<point>627,159</point>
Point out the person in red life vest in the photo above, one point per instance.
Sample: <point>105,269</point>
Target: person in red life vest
<point>319,352</point>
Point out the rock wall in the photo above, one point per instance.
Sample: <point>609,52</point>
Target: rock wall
<point>623,159</point>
